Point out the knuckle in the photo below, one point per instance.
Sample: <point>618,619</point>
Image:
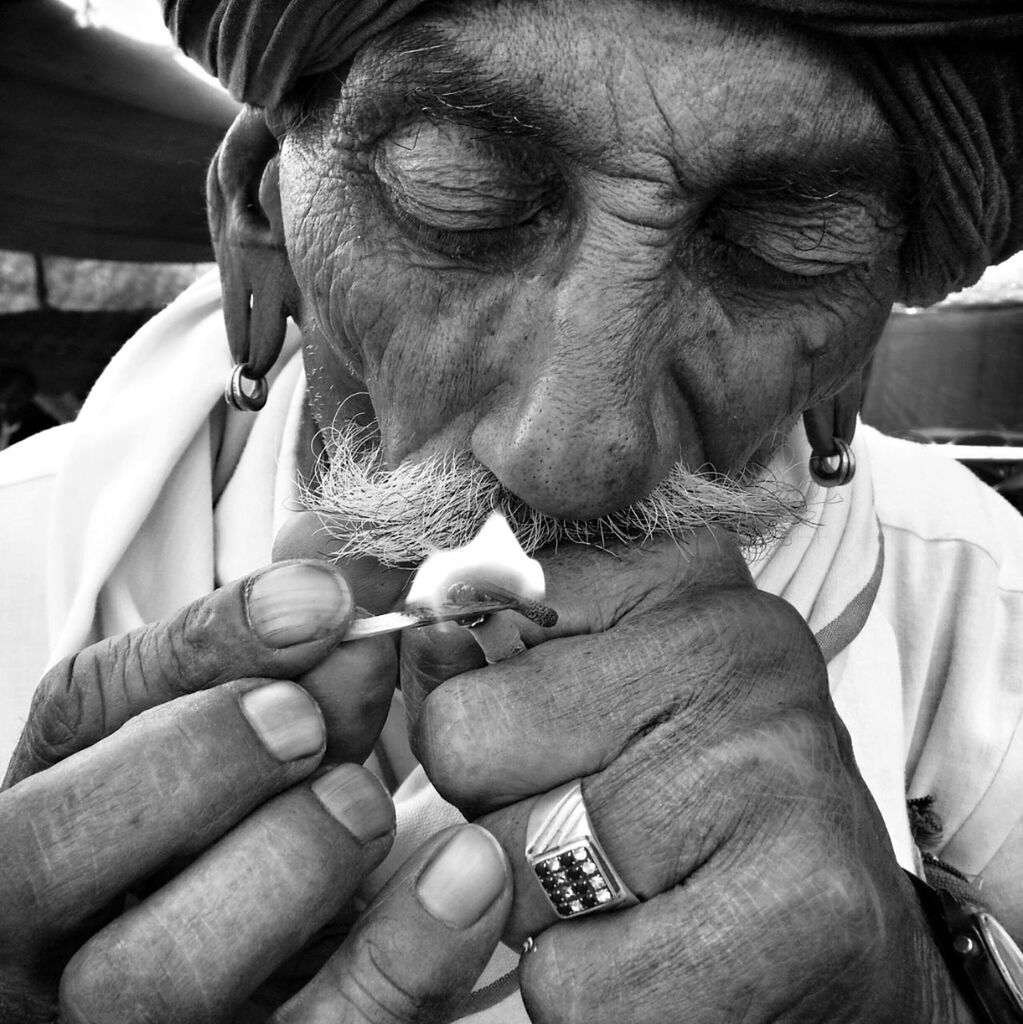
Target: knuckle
<point>783,632</point>
<point>118,976</point>
<point>197,626</point>
<point>165,660</point>
<point>93,692</point>
<point>785,752</point>
<point>760,626</point>
<point>375,995</point>
<point>847,911</point>
<point>847,898</point>
<point>128,675</point>
<point>85,990</point>
<point>176,650</point>
<point>449,743</point>
<point>56,714</point>
<point>775,774</point>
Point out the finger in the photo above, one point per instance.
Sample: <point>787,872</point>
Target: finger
<point>673,766</point>
<point>592,590</point>
<point>570,976</point>
<point>664,810</point>
<point>376,587</point>
<point>429,657</point>
<point>166,785</point>
<point>198,948</point>
<point>276,623</point>
<point>569,707</point>
<point>353,686</point>
<point>415,954</point>
<point>764,935</point>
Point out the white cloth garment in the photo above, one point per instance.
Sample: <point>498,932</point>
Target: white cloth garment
<point>911,578</point>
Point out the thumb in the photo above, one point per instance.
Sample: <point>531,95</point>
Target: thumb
<point>274,624</point>
<point>415,954</point>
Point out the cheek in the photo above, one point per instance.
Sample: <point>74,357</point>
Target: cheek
<point>840,335</point>
<point>433,344</point>
<point>324,231</point>
<point>779,361</point>
<point>431,361</point>
<point>414,337</point>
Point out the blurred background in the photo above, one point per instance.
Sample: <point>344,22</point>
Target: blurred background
<point>105,135</point>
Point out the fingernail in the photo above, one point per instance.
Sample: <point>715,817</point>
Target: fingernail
<point>292,604</point>
<point>286,719</point>
<point>464,878</point>
<point>357,799</point>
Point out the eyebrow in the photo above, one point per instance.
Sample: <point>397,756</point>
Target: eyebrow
<point>428,71</point>
<point>816,178</point>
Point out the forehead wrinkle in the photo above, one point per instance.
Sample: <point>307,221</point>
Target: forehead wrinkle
<point>807,152</point>
<point>439,70</point>
<point>428,70</point>
<point>627,110</point>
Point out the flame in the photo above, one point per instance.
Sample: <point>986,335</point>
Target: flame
<point>493,556</point>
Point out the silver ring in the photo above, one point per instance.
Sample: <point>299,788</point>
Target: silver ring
<point>570,865</point>
<point>238,398</point>
<point>834,470</point>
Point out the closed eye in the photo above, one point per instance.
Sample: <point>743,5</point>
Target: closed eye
<point>453,188</point>
<point>805,236</point>
<point>474,205</point>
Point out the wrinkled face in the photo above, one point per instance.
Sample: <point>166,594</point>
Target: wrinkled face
<point>586,239</point>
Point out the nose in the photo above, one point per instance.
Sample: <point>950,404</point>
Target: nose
<point>593,418</point>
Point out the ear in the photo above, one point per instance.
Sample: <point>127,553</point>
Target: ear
<point>834,417</point>
<point>260,292</point>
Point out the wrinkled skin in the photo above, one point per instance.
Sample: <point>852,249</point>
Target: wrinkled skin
<point>164,855</point>
<point>720,782</point>
<point>584,259</point>
<point>599,259</point>
<point>684,233</point>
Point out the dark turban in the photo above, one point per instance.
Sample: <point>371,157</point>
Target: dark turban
<point>948,74</point>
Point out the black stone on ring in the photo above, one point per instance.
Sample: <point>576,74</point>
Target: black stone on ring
<point>568,862</point>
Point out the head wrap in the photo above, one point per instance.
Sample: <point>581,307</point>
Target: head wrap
<point>948,74</point>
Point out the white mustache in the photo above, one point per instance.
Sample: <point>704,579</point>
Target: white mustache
<point>398,516</point>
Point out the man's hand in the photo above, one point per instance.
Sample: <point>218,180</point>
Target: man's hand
<point>169,836</point>
<point>283,622</point>
<point>720,782</point>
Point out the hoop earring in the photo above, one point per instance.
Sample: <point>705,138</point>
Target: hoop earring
<point>238,398</point>
<point>835,470</point>
<point>258,287</point>
<point>830,426</point>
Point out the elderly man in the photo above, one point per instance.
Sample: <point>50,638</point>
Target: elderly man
<point>614,267</point>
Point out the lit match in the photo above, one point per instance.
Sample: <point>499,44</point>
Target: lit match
<point>468,584</point>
